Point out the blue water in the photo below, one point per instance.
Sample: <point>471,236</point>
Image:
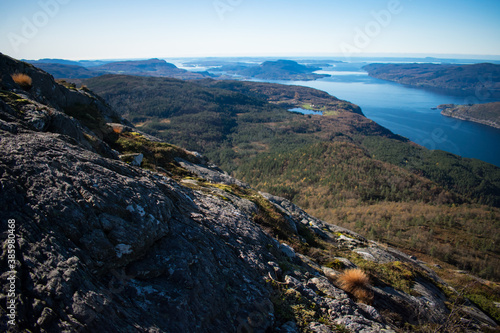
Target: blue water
<point>408,111</point>
<point>305,111</point>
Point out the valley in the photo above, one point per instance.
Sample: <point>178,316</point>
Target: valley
<point>325,163</point>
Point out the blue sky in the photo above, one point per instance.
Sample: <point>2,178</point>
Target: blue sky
<point>100,29</point>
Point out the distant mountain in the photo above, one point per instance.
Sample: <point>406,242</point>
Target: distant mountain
<point>486,114</point>
<point>276,70</point>
<point>53,61</point>
<point>480,80</point>
<point>65,69</point>
<point>151,67</point>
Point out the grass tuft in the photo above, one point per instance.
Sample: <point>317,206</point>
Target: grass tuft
<point>357,283</point>
<point>23,80</point>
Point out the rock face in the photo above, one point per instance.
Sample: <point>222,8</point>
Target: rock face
<point>103,245</point>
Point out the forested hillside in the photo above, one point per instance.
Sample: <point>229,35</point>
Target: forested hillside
<point>482,79</point>
<point>340,166</point>
<point>486,114</point>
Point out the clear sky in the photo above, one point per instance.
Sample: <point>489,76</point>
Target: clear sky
<point>102,29</point>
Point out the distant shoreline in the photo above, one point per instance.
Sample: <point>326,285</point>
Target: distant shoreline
<point>487,114</point>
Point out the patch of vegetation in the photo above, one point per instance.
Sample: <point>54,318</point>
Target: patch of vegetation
<point>290,305</point>
<point>13,99</point>
<point>66,84</point>
<point>399,275</point>
<point>158,156</point>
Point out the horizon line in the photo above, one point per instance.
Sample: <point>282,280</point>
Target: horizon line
<point>443,56</point>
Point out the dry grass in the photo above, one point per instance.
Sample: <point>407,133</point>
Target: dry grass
<point>23,80</point>
<point>357,283</point>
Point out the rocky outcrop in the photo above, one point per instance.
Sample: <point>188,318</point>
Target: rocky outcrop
<point>104,245</point>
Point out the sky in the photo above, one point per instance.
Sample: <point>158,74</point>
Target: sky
<point>101,29</point>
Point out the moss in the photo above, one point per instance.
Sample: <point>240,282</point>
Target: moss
<point>399,275</point>
<point>13,99</point>
<point>290,305</point>
<point>158,156</point>
<point>335,264</point>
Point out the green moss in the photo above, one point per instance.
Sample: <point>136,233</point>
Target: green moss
<point>13,99</point>
<point>335,264</point>
<point>158,156</point>
<point>290,305</point>
<point>399,275</point>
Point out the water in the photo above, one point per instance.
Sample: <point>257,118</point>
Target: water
<point>409,112</point>
<point>305,111</point>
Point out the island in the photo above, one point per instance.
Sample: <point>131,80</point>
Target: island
<point>275,70</point>
<point>486,114</point>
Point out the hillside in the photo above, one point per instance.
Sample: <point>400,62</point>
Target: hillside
<point>116,230</point>
<point>486,114</point>
<point>326,163</point>
<point>482,79</point>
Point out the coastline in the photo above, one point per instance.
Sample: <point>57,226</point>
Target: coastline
<point>464,112</point>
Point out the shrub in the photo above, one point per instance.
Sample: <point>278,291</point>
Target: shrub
<point>23,80</point>
<point>357,283</point>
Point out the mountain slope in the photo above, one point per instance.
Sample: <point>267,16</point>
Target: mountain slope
<point>176,245</point>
